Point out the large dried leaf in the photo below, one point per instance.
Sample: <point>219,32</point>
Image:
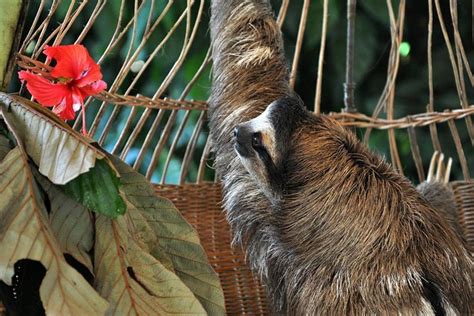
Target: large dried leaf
<point>71,223</point>
<point>4,146</point>
<point>176,237</point>
<point>147,239</point>
<point>25,234</point>
<point>60,153</point>
<point>132,280</point>
<point>64,156</point>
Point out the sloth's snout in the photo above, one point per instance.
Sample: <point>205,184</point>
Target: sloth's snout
<point>242,140</point>
<point>242,134</point>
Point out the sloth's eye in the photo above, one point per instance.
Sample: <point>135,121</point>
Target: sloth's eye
<point>257,140</point>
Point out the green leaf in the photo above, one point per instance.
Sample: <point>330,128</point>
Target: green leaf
<point>98,190</point>
<point>177,243</point>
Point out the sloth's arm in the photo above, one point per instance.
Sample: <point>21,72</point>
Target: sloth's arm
<point>247,47</point>
<point>249,66</point>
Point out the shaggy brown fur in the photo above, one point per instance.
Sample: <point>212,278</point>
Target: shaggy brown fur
<point>345,234</point>
<point>441,198</point>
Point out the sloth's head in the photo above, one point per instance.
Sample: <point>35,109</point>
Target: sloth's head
<point>265,142</point>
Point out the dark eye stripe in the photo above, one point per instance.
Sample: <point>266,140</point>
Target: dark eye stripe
<point>274,174</point>
<point>263,154</point>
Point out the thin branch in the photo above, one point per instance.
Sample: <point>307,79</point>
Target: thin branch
<point>299,42</point>
<point>349,85</point>
<point>319,81</point>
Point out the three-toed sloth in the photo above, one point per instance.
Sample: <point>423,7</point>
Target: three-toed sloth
<point>327,225</point>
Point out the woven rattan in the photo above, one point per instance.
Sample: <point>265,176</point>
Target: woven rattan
<point>200,204</point>
<point>464,193</point>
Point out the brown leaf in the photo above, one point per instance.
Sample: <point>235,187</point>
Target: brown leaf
<point>176,240</point>
<point>132,280</point>
<point>147,239</point>
<point>4,147</point>
<point>25,234</point>
<point>71,223</point>
<point>60,152</point>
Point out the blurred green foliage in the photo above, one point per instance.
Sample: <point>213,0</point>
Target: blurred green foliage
<point>372,50</point>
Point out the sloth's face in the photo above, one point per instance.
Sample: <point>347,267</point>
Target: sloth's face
<point>263,142</point>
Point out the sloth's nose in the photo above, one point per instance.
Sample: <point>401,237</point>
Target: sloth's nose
<point>242,140</point>
<point>242,134</point>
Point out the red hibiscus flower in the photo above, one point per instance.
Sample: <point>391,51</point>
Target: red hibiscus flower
<point>74,77</point>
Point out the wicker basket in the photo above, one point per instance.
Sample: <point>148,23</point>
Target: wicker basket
<point>200,204</point>
<point>464,194</point>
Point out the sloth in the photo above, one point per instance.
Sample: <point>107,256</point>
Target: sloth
<point>327,225</point>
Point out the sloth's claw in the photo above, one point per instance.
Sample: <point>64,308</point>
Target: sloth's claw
<point>448,170</point>
<point>437,171</point>
<point>432,166</point>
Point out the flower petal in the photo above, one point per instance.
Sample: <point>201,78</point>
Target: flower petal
<point>44,91</point>
<point>65,109</point>
<point>72,61</point>
<point>93,88</point>
<point>90,76</point>
<point>77,99</point>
